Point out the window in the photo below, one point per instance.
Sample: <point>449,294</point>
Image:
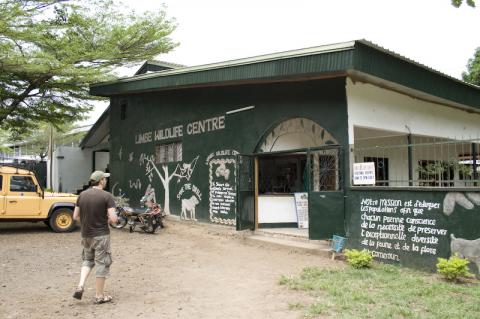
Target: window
<point>325,170</point>
<point>381,169</point>
<point>282,174</point>
<point>22,184</point>
<point>168,153</point>
<point>1,182</point>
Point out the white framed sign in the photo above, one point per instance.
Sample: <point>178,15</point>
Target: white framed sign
<point>364,173</point>
<point>301,206</point>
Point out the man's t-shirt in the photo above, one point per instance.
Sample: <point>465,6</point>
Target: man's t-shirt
<point>93,204</point>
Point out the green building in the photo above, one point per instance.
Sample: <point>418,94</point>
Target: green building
<point>348,139</point>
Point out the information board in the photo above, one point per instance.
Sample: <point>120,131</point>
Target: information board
<point>364,173</point>
<point>301,206</point>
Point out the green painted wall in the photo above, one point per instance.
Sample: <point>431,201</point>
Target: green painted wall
<point>413,227</point>
<point>322,101</point>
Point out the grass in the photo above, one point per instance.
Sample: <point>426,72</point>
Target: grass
<point>384,291</point>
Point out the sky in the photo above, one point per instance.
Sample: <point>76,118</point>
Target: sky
<point>431,32</point>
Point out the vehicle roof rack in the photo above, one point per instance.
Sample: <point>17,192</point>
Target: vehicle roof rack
<point>17,167</point>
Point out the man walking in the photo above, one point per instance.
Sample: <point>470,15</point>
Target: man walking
<point>95,209</point>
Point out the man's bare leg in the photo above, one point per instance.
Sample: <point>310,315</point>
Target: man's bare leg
<point>99,287</point>
<point>84,272</point>
<point>100,296</point>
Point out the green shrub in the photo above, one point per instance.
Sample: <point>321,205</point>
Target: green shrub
<point>453,268</point>
<point>359,259</point>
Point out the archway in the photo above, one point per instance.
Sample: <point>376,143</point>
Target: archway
<point>283,173</point>
<point>295,133</point>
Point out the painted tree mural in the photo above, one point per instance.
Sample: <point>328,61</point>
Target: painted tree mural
<point>182,171</point>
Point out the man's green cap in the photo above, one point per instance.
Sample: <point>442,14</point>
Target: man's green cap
<point>98,175</point>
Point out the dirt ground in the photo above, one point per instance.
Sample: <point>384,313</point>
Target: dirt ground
<point>183,271</point>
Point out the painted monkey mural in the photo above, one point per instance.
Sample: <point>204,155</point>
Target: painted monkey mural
<point>183,171</point>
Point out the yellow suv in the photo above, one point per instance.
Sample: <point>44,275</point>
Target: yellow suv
<point>23,199</point>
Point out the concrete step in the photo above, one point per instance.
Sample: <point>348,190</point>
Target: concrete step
<point>284,233</point>
<point>317,247</point>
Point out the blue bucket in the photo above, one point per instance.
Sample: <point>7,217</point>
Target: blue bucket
<point>338,242</point>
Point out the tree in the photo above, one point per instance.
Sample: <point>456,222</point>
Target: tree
<point>458,3</point>
<point>473,69</point>
<point>38,142</point>
<point>183,171</point>
<point>51,50</point>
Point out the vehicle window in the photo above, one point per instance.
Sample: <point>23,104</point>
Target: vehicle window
<point>22,184</point>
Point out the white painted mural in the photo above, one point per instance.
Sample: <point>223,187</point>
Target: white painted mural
<point>222,186</point>
<point>183,171</point>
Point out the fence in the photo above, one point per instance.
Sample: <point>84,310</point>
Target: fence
<point>417,161</point>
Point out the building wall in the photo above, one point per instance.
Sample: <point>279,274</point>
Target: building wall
<point>102,159</point>
<point>209,157</point>
<point>414,227</point>
<point>71,168</point>
<point>374,107</point>
<point>410,226</point>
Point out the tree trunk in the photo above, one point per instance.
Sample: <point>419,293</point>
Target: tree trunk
<point>166,187</point>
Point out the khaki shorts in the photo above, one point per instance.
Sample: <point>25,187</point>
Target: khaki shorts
<point>96,251</point>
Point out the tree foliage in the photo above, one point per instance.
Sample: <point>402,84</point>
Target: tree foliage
<point>458,3</point>
<point>37,142</point>
<point>473,69</point>
<point>51,50</point>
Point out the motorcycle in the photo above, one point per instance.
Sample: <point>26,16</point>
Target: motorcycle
<point>149,218</point>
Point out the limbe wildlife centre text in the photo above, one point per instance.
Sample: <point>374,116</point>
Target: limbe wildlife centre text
<point>197,127</point>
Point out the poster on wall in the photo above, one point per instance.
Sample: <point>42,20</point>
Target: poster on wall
<point>301,206</point>
<point>364,173</point>
<point>223,187</point>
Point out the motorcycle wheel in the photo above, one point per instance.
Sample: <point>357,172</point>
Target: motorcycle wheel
<point>150,226</point>
<point>160,222</point>
<point>122,221</point>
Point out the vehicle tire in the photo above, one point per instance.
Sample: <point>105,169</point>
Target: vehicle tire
<point>46,222</point>
<point>150,225</point>
<point>61,220</point>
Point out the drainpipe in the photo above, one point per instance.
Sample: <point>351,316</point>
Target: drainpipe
<point>475,166</point>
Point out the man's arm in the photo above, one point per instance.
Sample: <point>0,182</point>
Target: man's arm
<point>112,215</point>
<point>76,213</point>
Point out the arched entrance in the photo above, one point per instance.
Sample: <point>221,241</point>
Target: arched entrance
<point>295,133</point>
<point>295,163</point>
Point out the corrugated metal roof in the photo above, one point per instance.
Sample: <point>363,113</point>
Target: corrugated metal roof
<point>239,62</point>
<point>352,58</point>
<point>402,57</point>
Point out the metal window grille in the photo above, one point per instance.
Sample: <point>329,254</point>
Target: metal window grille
<point>325,170</point>
<point>418,161</point>
<point>168,153</point>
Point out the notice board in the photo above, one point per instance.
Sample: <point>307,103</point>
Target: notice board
<point>301,206</point>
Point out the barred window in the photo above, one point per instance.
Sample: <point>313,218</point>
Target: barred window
<point>409,160</point>
<point>168,153</point>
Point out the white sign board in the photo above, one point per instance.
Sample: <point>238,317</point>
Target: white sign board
<point>301,206</point>
<point>364,173</point>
